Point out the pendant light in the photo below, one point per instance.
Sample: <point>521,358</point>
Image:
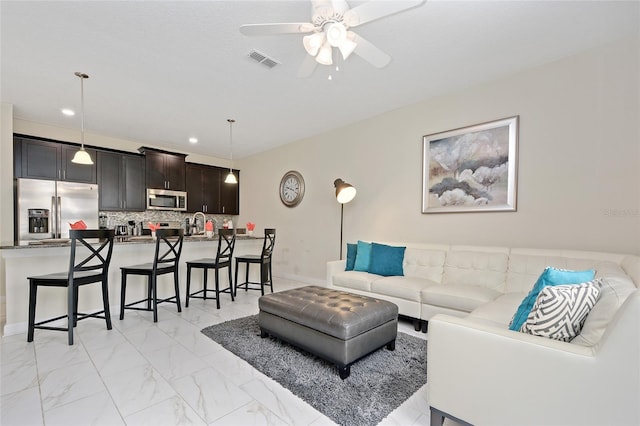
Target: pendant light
<point>231,178</point>
<point>82,156</point>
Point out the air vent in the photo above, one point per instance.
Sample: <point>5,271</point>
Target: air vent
<point>263,59</point>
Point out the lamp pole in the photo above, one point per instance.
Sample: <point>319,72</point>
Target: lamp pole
<point>344,193</point>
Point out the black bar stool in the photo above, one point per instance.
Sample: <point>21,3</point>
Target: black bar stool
<point>170,240</point>
<point>226,245</point>
<point>263,259</point>
<point>93,268</point>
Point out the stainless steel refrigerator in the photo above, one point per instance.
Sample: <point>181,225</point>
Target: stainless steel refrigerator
<point>46,208</point>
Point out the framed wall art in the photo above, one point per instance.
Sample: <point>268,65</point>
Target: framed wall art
<point>472,169</point>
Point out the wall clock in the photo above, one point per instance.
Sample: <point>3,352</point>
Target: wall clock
<point>291,188</point>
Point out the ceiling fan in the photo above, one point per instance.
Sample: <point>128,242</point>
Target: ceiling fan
<point>330,26</point>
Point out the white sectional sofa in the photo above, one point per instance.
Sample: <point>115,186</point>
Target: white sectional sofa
<point>480,372</point>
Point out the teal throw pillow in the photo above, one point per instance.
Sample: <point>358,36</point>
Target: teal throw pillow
<point>550,276</point>
<point>352,249</point>
<point>363,257</point>
<point>386,260</point>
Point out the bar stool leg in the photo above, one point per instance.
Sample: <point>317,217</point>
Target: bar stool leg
<point>175,283</point>
<point>33,290</point>
<point>71,317</point>
<point>123,291</point>
<point>186,303</point>
<point>105,302</point>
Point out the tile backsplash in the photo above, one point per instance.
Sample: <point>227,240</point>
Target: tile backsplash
<point>121,218</point>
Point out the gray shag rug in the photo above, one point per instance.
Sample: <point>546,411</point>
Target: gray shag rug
<point>378,383</point>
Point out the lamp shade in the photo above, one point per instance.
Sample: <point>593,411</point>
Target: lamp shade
<point>345,192</point>
<point>82,157</point>
<point>231,178</point>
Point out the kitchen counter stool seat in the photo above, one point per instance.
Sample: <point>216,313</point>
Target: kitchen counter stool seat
<point>165,261</point>
<point>226,245</point>
<point>93,268</point>
<point>263,259</point>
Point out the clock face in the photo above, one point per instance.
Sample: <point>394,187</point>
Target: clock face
<point>291,188</point>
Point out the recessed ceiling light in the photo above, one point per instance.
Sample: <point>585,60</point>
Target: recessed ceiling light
<point>193,140</point>
<point>68,112</point>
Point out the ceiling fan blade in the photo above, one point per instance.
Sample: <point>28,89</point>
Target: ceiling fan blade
<point>370,53</point>
<point>340,6</point>
<point>272,29</point>
<point>307,67</point>
<point>373,10</point>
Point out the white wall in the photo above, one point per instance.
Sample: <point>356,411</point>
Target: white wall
<point>578,169</point>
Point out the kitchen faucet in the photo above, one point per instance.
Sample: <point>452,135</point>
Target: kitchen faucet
<point>195,224</point>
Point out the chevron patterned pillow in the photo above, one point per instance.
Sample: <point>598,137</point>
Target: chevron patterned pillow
<point>560,311</point>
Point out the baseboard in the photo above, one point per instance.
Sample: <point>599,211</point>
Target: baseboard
<point>303,279</point>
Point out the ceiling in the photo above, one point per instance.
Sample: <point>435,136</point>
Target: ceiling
<point>163,71</point>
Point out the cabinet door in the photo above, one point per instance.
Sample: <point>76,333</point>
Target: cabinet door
<point>40,159</point>
<point>193,174</point>
<point>210,190</point>
<point>155,170</point>
<point>77,172</point>
<point>134,189</point>
<point>229,194</point>
<point>109,180</point>
<point>175,172</point>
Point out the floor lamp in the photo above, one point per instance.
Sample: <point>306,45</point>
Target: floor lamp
<point>344,193</point>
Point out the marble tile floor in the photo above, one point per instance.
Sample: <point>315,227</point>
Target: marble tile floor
<point>167,373</point>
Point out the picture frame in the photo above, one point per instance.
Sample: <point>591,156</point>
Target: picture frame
<point>471,169</point>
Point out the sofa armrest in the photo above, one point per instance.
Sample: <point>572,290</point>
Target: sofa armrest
<point>487,375</point>
<point>333,267</point>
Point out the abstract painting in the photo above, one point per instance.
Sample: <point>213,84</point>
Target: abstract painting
<point>471,169</point>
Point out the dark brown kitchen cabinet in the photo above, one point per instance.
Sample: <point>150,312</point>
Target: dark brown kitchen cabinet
<point>164,170</point>
<point>203,189</point>
<point>121,181</point>
<point>207,192</point>
<point>229,194</point>
<point>42,159</point>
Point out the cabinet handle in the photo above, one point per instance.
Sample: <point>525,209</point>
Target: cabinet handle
<point>222,209</point>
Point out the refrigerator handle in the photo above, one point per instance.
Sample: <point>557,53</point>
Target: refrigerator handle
<point>59,215</point>
<point>53,220</point>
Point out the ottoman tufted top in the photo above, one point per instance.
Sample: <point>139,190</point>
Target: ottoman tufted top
<point>337,313</point>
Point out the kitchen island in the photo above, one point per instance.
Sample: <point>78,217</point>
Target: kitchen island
<point>22,261</point>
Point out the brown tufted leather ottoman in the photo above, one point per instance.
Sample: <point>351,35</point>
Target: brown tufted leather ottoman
<point>335,325</point>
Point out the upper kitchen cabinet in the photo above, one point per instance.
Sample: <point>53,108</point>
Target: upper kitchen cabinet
<point>121,181</point>
<point>165,170</point>
<point>203,188</point>
<point>42,159</point>
<point>229,193</point>
<point>207,192</point>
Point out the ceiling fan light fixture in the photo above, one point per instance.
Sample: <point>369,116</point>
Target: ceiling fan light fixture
<point>312,43</point>
<point>348,45</point>
<point>336,33</point>
<point>325,55</point>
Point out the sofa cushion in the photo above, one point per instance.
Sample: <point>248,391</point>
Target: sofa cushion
<point>486,269</point>
<point>407,288</point>
<point>352,249</point>
<point>424,263</point>
<point>498,312</point>
<point>549,277</point>
<point>560,311</point>
<point>354,279</point>
<point>613,292</point>
<point>461,297</point>
<point>363,257</point>
<point>386,260</point>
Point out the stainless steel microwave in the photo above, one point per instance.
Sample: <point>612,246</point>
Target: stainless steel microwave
<point>164,199</point>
